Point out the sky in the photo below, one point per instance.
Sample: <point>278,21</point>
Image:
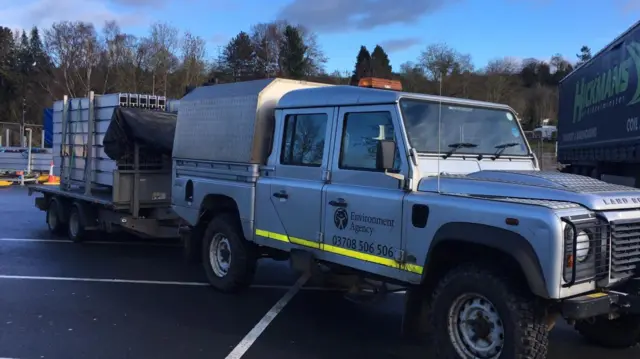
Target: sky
<point>485,29</point>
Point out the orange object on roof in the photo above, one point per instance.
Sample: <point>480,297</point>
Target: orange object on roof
<point>378,83</point>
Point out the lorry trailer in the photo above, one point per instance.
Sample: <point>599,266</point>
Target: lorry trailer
<point>599,105</point>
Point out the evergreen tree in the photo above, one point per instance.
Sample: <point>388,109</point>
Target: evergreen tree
<point>380,64</point>
<point>239,58</point>
<point>584,55</point>
<point>8,81</point>
<point>36,49</point>
<point>293,53</point>
<point>363,66</point>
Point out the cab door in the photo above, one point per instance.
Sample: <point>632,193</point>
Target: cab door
<point>289,200</point>
<point>363,206</point>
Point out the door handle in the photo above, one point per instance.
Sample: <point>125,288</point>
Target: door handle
<point>281,195</point>
<point>338,203</point>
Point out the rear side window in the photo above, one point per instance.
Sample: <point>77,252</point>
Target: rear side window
<point>304,140</point>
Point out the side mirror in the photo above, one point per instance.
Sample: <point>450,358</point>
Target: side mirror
<point>385,154</point>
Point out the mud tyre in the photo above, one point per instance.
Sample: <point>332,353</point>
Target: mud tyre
<point>229,260</point>
<point>478,313</point>
<point>620,333</point>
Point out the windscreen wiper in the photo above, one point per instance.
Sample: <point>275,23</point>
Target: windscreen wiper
<point>456,146</point>
<point>501,148</point>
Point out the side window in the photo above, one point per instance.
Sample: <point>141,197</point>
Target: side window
<point>361,133</point>
<point>304,138</point>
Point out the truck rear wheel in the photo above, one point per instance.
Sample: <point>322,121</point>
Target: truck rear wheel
<point>228,259</point>
<point>477,313</point>
<point>623,332</point>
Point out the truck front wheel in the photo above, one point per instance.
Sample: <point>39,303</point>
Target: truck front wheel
<point>228,259</point>
<point>478,313</point>
<point>619,333</point>
<point>55,217</point>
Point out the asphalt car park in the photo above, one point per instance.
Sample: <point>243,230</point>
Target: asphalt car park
<point>125,298</point>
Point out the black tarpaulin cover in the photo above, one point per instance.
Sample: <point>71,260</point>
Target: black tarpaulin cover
<point>152,129</point>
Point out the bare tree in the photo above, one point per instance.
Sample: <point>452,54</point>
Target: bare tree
<point>193,59</point>
<point>164,42</point>
<point>75,50</point>
<point>442,60</point>
<point>501,77</point>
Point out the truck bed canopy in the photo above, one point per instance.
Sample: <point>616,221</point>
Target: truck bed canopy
<point>152,129</point>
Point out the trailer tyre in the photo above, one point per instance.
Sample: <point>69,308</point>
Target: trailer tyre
<point>76,227</point>
<point>228,259</point>
<point>55,217</point>
<point>478,313</point>
<point>620,333</point>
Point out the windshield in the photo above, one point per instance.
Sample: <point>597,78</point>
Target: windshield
<point>470,130</point>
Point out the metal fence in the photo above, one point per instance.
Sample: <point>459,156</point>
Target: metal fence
<point>10,135</point>
<point>545,150</point>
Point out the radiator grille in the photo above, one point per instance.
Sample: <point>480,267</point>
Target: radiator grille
<point>625,248</point>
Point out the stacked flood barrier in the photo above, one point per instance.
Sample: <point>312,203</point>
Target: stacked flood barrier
<point>97,112</point>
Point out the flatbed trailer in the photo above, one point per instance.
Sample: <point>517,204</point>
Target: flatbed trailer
<point>113,177</point>
<point>74,213</point>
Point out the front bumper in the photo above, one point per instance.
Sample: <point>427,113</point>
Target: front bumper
<point>624,301</point>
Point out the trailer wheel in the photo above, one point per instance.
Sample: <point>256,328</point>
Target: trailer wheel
<point>76,228</point>
<point>620,333</point>
<point>478,313</point>
<point>228,259</point>
<point>54,217</point>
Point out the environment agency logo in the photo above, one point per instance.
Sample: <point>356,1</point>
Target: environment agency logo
<point>341,218</point>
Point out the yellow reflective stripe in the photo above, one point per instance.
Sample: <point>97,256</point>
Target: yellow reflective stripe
<point>388,262</point>
<point>362,256</point>
<point>304,242</point>
<point>272,235</point>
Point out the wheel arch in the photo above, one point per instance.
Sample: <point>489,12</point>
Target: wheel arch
<point>456,242</point>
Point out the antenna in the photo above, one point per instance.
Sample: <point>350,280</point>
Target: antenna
<point>439,129</point>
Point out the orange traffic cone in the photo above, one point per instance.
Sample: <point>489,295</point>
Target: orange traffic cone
<point>52,180</point>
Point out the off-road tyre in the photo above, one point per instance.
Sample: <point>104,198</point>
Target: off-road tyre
<point>522,317</point>
<point>242,266</point>
<point>619,333</point>
<point>55,217</point>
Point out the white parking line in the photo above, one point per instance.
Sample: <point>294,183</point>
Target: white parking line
<point>253,335</point>
<point>64,241</point>
<point>157,282</point>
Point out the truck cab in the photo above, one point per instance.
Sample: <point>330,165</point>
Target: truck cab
<point>440,196</point>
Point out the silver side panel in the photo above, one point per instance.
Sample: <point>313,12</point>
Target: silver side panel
<point>208,178</point>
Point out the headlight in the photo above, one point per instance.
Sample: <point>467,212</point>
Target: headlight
<point>585,254</point>
<point>583,243</point>
<point>583,246</point>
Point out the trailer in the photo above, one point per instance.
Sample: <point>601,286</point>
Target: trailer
<point>113,156</point>
<point>598,110</point>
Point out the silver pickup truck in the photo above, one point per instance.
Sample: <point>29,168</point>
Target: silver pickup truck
<point>440,196</point>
